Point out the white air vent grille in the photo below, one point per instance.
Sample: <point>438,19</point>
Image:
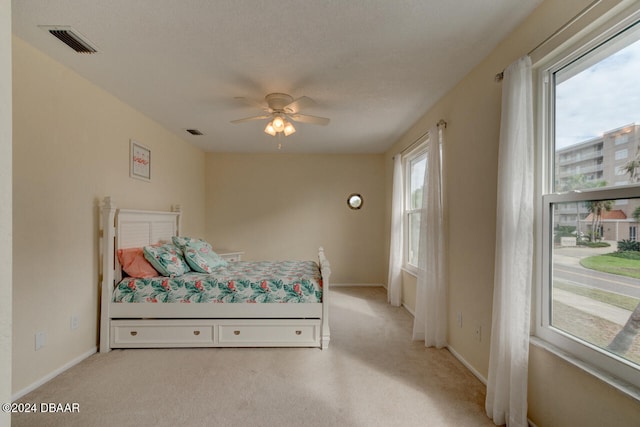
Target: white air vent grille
<point>71,38</point>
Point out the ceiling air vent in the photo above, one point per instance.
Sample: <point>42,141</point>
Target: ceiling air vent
<point>71,38</point>
<point>194,132</point>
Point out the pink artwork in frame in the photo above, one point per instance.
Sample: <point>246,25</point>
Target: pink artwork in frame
<point>140,161</point>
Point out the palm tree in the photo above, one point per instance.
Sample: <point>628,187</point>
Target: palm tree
<point>621,343</point>
<point>574,182</point>
<point>623,339</point>
<point>632,167</point>
<point>596,208</point>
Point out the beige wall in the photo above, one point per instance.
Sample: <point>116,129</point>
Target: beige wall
<point>71,148</point>
<point>5,207</point>
<point>562,395</point>
<point>277,206</point>
<point>472,111</point>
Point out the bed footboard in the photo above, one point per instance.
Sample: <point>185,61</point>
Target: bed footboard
<point>325,272</point>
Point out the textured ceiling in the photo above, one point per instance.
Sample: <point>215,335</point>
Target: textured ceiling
<point>373,67</point>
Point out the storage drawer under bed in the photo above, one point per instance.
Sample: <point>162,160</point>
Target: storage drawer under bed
<point>276,333</point>
<point>154,333</point>
<point>157,333</point>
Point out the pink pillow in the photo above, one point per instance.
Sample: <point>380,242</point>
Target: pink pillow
<point>134,263</point>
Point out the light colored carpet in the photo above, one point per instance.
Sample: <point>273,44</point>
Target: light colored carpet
<point>371,375</point>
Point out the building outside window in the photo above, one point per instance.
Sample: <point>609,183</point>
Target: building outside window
<point>589,170</point>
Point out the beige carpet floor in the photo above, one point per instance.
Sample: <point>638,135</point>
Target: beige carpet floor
<point>371,375</point>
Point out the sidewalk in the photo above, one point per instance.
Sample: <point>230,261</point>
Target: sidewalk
<point>572,256</point>
<point>596,308</point>
<point>579,252</point>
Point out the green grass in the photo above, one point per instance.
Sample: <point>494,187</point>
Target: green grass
<point>626,255</point>
<point>622,301</point>
<point>613,264</point>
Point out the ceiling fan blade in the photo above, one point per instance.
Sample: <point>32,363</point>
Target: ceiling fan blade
<point>252,103</point>
<point>248,119</point>
<point>305,118</point>
<point>298,104</point>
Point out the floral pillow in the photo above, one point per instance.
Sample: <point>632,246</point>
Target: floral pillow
<point>199,254</point>
<point>167,259</point>
<point>134,263</point>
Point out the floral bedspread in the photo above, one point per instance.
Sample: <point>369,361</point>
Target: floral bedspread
<point>238,282</point>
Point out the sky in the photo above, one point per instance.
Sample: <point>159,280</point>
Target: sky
<point>601,98</point>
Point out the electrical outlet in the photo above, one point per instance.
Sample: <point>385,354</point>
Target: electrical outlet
<point>74,322</point>
<point>459,320</point>
<point>478,332</point>
<point>41,340</point>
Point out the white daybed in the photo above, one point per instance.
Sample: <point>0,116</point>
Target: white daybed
<point>155,325</point>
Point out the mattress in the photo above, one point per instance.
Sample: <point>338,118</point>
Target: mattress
<point>238,282</point>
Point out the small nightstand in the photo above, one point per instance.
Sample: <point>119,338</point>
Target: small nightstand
<point>230,256</point>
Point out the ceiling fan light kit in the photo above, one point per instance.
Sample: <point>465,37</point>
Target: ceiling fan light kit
<point>278,123</point>
<point>282,109</point>
<point>288,129</point>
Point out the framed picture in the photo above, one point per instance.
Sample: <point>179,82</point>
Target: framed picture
<point>140,161</point>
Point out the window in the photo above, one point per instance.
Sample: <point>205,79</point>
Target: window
<point>622,138</point>
<point>622,154</point>
<point>415,165</point>
<point>589,282</point>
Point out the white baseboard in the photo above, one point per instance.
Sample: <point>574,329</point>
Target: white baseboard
<point>53,374</point>
<point>457,355</point>
<point>411,312</point>
<point>341,285</point>
<point>467,365</point>
<point>477,374</point>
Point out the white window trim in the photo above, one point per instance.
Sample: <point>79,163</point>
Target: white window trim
<point>610,368</point>
<point>419,150</point>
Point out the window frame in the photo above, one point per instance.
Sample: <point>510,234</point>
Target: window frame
<point>607,366</point>
<point>419,151</point>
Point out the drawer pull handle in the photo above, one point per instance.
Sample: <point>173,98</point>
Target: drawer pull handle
<point>236,332</point>
<point>298,332</point>
<point>196,333</point>
<point>133,333</point>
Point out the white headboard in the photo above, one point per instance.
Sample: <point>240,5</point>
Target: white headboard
<point>124,228</point>
<point>141,228</point>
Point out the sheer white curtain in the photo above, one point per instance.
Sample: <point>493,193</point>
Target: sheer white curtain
<point>430,323</point>
<point>394,282</point>
<point>506,400</point>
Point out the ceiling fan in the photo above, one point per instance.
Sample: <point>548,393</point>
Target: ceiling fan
<point>282,109</point>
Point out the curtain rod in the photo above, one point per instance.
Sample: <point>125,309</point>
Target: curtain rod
<point>441,123</point>
<point>498,77</point>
